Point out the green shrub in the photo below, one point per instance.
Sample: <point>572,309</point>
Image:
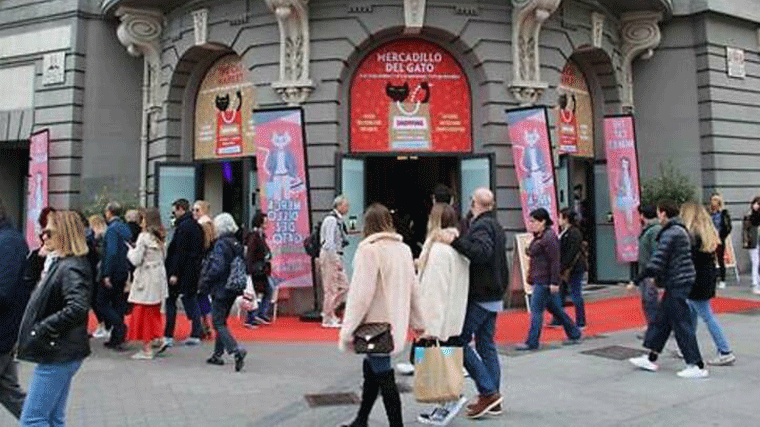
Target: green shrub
<point>126,199</point>
<point>670,184</point>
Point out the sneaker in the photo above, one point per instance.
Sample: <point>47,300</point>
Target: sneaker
<point>168,342</point>
<point>452,409</point>
<point>693,371</point>
<point>215,360</point>
<point>525,347</point>
<point>465,373</point>
<point>722,360</point>
<point>496,410</point>
<point>263,320</point>
<point>141,355</point>
<point>484,404</point>
<point>431,417</point>
<point>248,325</point>
<point>721,285</point>
<point>644,363</point>
<point>192,341</point>
<point>572,341</point>
<point>101,332</point>
<point>239,359</point>
<point>405,368</point>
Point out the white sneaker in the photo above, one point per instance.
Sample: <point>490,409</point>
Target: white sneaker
<point>168,342</point>
<point>644,363</point>
<point>756,290</point>
<point>100,331</point>
<point>405,368</point>
<point>722,360</point>
<point>692,371</point>
<point>141,355</point>
<point>721,285</point>
<point>192,341</point>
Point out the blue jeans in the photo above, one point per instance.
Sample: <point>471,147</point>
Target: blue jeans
<point>702,309</point>
<point>190,303</point>
<point>574,285</point>
<point>484,370</point>
<point>220,310</point>
<point>265,304</point>
<point>45,404</point>
<point>542,299</point>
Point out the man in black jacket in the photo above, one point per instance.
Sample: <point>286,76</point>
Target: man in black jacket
<point>183,263</point>
<point>14,294</point>
<point>485,246</point>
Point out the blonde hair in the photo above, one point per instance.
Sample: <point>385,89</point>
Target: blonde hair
<point>699,223</point>
<point>97,223</point>
<point>209,234</point>
<point>203,206</point>
<point>716,198</point>
<point>67,234</point>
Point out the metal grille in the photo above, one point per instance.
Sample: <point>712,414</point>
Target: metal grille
<point>615,352</point>
<point>332,399</point>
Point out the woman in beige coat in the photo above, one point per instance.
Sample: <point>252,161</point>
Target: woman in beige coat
<point>383,289</point>
<point>149,287</point>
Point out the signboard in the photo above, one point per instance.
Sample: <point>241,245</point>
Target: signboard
<point>531,150</point>
<point>410,95</point>
<point>623,179</point>
<point>37,197</point>
<point>223,123</point>
<point>735,64</point>
<point>729,256</point>
<point>281,169</point>
<point>575,116</point>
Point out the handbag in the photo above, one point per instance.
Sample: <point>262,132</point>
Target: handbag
<point>438,375</point>
<point>372,338</point>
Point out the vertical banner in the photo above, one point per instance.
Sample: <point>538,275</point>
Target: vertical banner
<point>37,198</point>
<point>623,178</point>
<point>531,149</point>
<point>575,126</point>
<point>281,169</point>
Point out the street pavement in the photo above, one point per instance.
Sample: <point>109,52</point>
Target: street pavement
<point>558,386</point>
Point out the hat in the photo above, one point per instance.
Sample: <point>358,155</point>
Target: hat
<point>541,214</point>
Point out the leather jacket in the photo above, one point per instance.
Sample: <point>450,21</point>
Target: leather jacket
<point>54,326</point>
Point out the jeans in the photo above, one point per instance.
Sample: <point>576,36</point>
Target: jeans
<point>45,404</point>
<point>649,299</point>
<point>220,310</point>
<point>484,370</point>
<point>702,309</point>
<point>379,363</point>
<point>542,299</point>
<point>574,285</point>
<point>11,394</point>
<point>674,315</point>
<point>266,302</point>
<point>190,303</point>
<point>754,255</point>
<point>112,304</point>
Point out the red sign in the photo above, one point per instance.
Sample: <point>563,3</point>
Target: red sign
<point>410,95</point>
<point>531,150</point>
<point>623,178</point>
<point>37,198</point>
<point>281,169</point>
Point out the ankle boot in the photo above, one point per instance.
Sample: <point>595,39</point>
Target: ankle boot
<point>391,398</point>
<point>370,390</point>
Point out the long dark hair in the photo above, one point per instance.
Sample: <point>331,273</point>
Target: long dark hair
<point>570,215</point>
<point>153,224</point>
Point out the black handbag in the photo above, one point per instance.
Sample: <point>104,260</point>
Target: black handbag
<point>373,338</point>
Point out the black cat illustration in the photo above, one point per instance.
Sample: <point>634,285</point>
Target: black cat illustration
<point>397,93</point>
<point>223,102</point>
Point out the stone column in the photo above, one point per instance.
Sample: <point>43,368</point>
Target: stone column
<point>640,35</point>
<point>292,16</point>
<point>414,16</point>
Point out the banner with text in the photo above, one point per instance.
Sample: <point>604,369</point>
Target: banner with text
<point>281,169</point>
<point>623,178</point>
<point>531,149</point>
<point>37,198</point>
<point>410,95</point>
<point>575,128</point>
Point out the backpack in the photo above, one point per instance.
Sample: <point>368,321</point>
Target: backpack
<point>312,244</point>
<point>237,280</point>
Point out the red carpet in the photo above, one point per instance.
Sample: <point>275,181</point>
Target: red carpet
<point>512,326</point>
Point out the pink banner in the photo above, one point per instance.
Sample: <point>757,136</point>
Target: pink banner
<point>281,167</point>
<point>531,149</point>
<point>37,197</point>
<point>623,178</point>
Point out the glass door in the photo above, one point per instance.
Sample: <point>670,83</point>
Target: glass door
<point>351,185</point>
<point>475,171</point>
<point>608,269</point>
<point>174,181</point>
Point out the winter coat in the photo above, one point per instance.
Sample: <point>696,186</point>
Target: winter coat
<point>724,229</point>
<point>544,259</point>
<point>648,241</point>
<point>14,291</point>
<point>571,243</point>
<point>383,288</point>
<point>485,246</point>
<point>54,326</point>
<point>114,264</point>
<point>258,254</point>
<point>671,262</point>
<point>149,283</point>
<point>185,253</point>
<point>214,280</point>
<point>706,273</point>
<point>750,222</point>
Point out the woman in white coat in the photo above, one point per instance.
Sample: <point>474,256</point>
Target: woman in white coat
<point>444,278</point>
<point>149,286</point>
<point>383,290</point>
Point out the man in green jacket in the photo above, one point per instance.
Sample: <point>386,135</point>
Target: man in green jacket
<point>647,243</point>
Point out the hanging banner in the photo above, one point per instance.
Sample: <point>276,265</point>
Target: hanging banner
<point>37,198</point>
<point>531,150</point>
<point>281,170</point>
<point>223,124</point>
<point>623,178</point>
<point>410,95</point>
<point>575,124</point>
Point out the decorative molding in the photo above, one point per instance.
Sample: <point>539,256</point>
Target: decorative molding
<point>466,10</point>
<point>200,26</point>
<point>414,16</point>
<point>292,16</point>
<point>53,68</point>
<point>597,29</point>
<point>360,8</point>
<point>640,35</point>
<point>140,32</point>
<point>527,18</point>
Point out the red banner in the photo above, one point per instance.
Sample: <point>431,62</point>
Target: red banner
<point>531,150</point>
<point>37,197</point>
<point>623,178</point>
<point>281,167</point>
<point>410,95</point>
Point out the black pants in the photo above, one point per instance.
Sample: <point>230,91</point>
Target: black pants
<point>94,304</point>
<point>719,253</point>
<point>673,314</point>
<point>190,304</point>
<point>112,304</point>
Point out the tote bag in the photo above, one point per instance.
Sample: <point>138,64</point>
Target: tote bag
<point>438,375</point>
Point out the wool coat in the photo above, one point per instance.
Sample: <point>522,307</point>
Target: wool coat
<point>149,285</point>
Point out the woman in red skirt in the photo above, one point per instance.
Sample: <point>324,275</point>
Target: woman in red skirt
<point>149,286</point>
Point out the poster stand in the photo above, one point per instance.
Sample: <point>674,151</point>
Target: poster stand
<point>521,263</point>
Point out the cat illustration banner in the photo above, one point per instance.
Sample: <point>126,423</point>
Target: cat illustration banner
<point>223,123</point>
<point>37,198</point>
<point>623,179</point>
<point>410,95</point>
<point>282,175</point>
<point>534,165</point>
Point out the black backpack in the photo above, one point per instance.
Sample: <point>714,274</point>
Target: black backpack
<point>312,244</point>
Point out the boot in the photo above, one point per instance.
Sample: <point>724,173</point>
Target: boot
<point>391,398</point>
<point>370,390</point>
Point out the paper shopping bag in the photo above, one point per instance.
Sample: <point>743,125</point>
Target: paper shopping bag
<point>438,375</point>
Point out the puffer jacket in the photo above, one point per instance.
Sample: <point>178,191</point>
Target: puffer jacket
<point>54,326</point>
<point>214,280</point>
<point>704,264</point>
<point>671,261</point>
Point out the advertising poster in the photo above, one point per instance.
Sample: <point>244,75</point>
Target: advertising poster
<point>37,198</point>
<point>223,122</point>
<point>281,168</point>
<point>531,149</point>
<point>410,95</point>
<point>575,118</point>
<point>623,178</point>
